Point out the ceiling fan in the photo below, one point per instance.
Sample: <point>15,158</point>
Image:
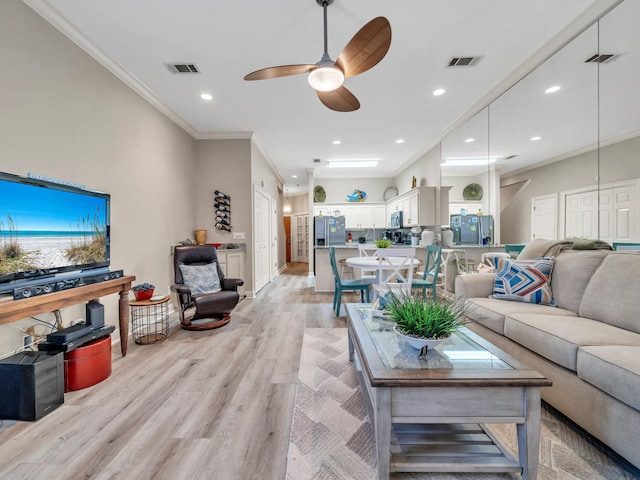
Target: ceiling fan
<point>364,51</point>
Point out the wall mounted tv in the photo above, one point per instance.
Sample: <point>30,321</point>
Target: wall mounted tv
<point>49,229</point>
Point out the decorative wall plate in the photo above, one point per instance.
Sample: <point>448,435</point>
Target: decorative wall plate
<point>473,191</point>
<point>319,195</point>
<point>389,193</point>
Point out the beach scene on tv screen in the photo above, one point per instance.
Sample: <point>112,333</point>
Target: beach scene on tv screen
<point>42,228</point>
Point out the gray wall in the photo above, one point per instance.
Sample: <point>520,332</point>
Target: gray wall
<point>63,115</point>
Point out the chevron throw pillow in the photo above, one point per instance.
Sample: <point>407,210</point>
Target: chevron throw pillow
<point>524,280</point>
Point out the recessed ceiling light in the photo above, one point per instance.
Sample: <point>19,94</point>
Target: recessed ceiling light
<point>206,96</point>
<point>535,139</point>
<point>553,89</point>
<point>469,140</point>
<point>294,176</point>
<point>439,91</point>
<point>336,142</point>
<point>400,140</point>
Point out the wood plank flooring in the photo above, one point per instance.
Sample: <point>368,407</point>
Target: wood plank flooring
<point>200,405</point>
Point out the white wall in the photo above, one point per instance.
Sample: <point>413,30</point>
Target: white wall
<point>63,115</point>
<point>426,169</point>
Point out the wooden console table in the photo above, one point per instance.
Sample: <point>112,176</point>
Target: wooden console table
<point>12,310</point>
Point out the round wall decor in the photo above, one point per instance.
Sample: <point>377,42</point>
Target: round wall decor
<point>389,193</point>
<point>319,195</point>
<point>473,191</point>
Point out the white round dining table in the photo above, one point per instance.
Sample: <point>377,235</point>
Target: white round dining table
<point>381,268</point>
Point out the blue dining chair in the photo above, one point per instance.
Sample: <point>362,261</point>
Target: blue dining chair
<point>431,271</point>
<point>348,285</point>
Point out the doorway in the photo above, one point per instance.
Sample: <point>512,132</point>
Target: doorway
<point>287,234</point>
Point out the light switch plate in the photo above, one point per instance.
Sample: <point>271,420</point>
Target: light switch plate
<point>238,235</point>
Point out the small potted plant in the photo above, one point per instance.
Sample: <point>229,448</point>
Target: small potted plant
<point>423,322</point>
<point>143,291</point>
<point>383,243</point>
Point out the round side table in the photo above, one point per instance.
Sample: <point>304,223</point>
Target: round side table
<point>149,320</point>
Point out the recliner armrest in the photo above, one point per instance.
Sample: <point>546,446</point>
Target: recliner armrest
<point>180,289</point>
<point>232,283</point>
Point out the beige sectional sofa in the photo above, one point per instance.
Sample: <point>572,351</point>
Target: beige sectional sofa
<point>588,345</point>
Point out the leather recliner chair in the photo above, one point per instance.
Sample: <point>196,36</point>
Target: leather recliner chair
<point>216,306</point>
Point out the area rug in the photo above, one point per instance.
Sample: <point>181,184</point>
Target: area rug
<point>332,436</point>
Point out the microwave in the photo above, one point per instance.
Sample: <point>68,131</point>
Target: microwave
<point>396,220</point>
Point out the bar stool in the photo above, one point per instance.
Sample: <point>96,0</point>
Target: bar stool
<point>345,269</point>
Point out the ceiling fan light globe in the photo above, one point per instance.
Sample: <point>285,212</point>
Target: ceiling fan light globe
<point>326,79</point>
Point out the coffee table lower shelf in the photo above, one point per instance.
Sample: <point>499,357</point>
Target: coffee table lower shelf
<point>448,448</point>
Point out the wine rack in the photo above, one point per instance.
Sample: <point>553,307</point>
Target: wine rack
<point>222,204</point>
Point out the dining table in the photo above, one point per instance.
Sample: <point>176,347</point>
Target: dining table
<point>381,268</point>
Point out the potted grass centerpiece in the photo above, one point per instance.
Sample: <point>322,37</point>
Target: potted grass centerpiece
<point>423,323</point>
<point>383,243</point>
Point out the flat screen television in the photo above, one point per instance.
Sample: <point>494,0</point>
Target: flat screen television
<point>48,228</point>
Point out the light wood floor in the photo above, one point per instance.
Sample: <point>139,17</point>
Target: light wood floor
<point>200,405</point>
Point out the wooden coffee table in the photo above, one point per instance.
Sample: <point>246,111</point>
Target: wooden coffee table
<point>428,411</point>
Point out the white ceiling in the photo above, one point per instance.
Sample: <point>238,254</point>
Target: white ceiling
<point>227,40</point>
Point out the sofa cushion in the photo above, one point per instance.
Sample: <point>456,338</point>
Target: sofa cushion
<point>491,312</point>
<point>558,337</point>
<point>609,296</point>
<point>524,280</point>
<point>614,369</point>
<point>571,273</point>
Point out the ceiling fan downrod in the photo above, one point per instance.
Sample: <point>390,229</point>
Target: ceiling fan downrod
<point>324,4</point>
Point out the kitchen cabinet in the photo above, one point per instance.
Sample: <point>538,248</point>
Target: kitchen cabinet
<point>232,264</point>
<point>418,206</point>
<point>360,217</point>
<point>329,209</point>
<point>379,216</point>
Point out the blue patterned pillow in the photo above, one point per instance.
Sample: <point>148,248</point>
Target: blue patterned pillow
<point>201,279</point>
<point>524,280</point>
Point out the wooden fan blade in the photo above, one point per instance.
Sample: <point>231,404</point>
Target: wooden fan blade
<point>340,100</point>
<point>281,71</point>
<point>366,48</point>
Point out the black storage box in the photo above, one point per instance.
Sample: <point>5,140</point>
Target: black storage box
<point>31,385</point>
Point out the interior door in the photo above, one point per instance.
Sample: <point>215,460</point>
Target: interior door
<point>261,250</point>
<point>544,217</point>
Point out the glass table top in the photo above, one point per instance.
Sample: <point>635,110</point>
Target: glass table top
<point>458,352</point>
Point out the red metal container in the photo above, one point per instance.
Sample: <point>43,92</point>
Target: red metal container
<point>87,365</point>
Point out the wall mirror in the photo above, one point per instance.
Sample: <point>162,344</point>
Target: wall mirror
<point>561,147</point>
<point>466,168</point>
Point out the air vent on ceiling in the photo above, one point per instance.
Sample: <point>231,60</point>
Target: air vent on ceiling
<point>182,68</point>
<point>510,157</point>
<point>316,160</point>
<point>601,58</point>
<point>463,61</point>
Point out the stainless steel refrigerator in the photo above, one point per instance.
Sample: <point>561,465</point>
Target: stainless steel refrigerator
<point>472,229</point>
<point>329,231</point>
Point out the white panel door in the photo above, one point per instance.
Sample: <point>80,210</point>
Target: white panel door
<point>544,217</point>
<point>261,220</point>
<point>626,214</point>
<point>590,213</point>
